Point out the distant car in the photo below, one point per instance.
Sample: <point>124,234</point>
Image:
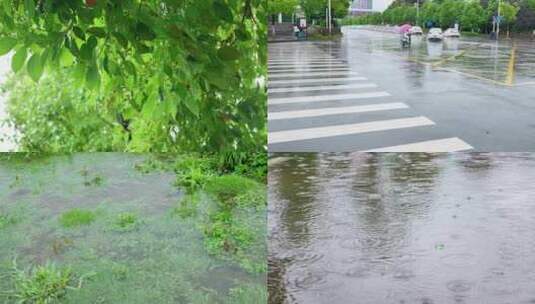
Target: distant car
<point>434,34</point>
<point>416,30</point>
<point>452,32</point>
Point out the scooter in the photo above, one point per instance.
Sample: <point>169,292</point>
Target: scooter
<point>405,40</point>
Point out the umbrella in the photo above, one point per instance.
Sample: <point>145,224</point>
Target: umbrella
<point>405,28</point>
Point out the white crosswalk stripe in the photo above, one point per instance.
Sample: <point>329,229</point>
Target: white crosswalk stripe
<point>338,130</point>
<point>312,74</point>
<point>304,70</point>
<point>337,110</point>
<point>334,65</point>
<point>316,80</point>
<point>302,107</point>
<point>331,97</point>
<point>453,144</point>
<point>323,88</point>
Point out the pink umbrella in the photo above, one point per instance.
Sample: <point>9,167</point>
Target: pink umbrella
<point>405,28</point>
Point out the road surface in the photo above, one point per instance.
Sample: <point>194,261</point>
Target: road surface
<point>365,93</point>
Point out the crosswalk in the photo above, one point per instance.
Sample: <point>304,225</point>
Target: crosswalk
<point>317,102</point>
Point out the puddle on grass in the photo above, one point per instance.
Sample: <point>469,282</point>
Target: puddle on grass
<point>160,259</point>
<point>401,228</point>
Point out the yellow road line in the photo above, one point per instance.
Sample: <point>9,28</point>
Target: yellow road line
<point>461,53</point>
<point>473,76</point>
<point>511,67</point>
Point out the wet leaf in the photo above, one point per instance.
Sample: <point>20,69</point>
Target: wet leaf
<point>6,45</point>
<point>78,32</point>
<point>35,67</point>
<point>92,78</point>
<point>18,60</point>
<point>228,53</point>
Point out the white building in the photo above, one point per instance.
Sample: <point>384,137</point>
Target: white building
<point>369,6</point>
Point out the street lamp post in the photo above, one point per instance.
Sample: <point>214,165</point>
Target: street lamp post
<point>329,17</point>
<point>417,10</point>
<point>498,19</point>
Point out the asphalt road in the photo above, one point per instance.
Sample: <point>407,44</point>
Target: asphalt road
<point>365,93</point>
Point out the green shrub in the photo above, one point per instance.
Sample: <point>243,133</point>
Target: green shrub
<point>41,285</point>
<point>6,219</point>
<point>77,217</point>
<point>227,187</point>
<point>187,205</point>
<point>126,221</point>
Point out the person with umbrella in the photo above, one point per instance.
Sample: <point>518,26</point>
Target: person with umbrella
<point>405,31</point>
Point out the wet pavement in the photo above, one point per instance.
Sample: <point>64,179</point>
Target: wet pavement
<point>401,228</point>
<point>364,92</point>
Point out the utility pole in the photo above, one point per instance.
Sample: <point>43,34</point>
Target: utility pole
<point>329,17</point>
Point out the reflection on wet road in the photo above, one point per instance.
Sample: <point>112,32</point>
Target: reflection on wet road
<point>363,92</point>
<point>508,62</point>
<point>401,228</point>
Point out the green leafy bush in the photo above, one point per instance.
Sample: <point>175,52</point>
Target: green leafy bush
<point>137,75</point>
<point>225,188</point>
<point>41,285</point>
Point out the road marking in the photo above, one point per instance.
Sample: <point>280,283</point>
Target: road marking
<point>337,110</point>
<point>308,65</point>
<point>322,132</point>
<point>330,97</point>
<point>511,67</point>
<point>305,61</point>
<point>306,74</point>
<point>274,72</point>
<point>321,88</point>
<point>317,80</point>
<point>440,145</point>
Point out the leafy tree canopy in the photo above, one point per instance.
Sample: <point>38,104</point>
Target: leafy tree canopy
<point>282,6</point>
<point>317,8</point>
<point>169,74</point>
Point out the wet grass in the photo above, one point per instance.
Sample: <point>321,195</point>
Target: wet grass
<point>126,221</point>
<point>40,285</point>
<point>77,217</point>
<point>156,235</point>
<point>6,220</point>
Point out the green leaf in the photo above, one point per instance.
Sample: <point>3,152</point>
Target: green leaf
<point>35,67</point>
<point>97,31</point>
<point>78,32</point>
<point>66,58</point>
<point>18,60</point>
<point>6,45</point>
<point>86,51</point>
<point>192,105</point>
<point>228,53</point>
<point>223,11</point>
<point>92,78</point>
<point>29,6</point>
<point>79,72</point>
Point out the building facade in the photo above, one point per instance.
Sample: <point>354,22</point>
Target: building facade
<point>358,7</point>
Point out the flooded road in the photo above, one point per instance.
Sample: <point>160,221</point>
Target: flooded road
<point>402,228</point>
<point>363,92</point>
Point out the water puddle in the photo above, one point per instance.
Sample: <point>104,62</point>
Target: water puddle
<point>122,239</point>
<point>401,228</point>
